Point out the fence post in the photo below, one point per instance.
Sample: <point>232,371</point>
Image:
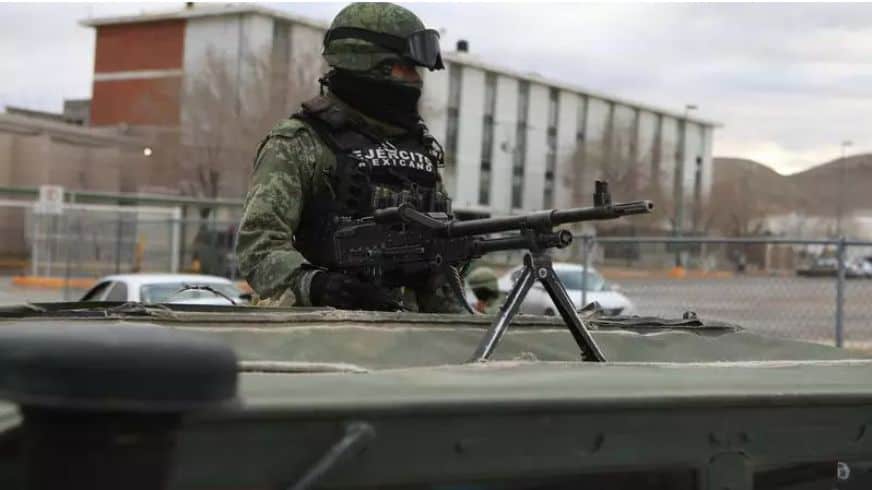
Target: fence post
<point>34,247</point>
<point>175,240</point>
<point>118,244</point>
<point>65,226</point>
<point>840,293</point>
<point>586,248</point>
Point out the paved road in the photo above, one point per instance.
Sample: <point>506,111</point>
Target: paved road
<point>797,307</point>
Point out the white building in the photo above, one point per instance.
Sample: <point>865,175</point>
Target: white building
<point>514,141</point>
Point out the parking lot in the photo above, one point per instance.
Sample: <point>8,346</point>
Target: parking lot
<point>12,294</point>
<point>796,307</point>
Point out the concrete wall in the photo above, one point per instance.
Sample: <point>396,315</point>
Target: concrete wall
<point>647,150</point>
<point>505,122</point>
<point>669,150</point>
<point>537,148</point>
<point>567,129</point>
<point>30,158</point>
<point>468,168</point>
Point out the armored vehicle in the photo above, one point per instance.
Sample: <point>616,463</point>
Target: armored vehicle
<point>115,395</point>
<point>101,395</point>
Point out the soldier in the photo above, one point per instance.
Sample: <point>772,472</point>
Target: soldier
<point>359,147</point>
<point>484,285</point>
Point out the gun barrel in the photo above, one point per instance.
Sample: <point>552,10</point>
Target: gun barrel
<point>559,239</point>
<point>547,219</point>
<point>611,211</point>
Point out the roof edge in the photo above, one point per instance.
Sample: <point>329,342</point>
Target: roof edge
<point>201,11</point>
<point>476,62</point>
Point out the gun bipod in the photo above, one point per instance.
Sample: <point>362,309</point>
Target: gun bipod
<point>537,267</point>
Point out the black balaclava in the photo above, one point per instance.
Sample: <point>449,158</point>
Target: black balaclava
<point>377,96</point>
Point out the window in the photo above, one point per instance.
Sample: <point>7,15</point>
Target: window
<point>574,278</point>
<point>173,291</point>
<point>118,292</point>
<point>96,293</point>
<point>551,156</point>
<point>581,123</point>
<point>520,150</point>
<point>455,78</point>
<point>281,52</point>
<point>487,138</point>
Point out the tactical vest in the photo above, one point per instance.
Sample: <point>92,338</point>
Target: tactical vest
<point>371,173</point>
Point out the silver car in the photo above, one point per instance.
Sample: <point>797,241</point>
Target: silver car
<point>538,302</point>
<point>166,288</point>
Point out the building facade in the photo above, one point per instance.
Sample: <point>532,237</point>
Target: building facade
<point>514,142</point>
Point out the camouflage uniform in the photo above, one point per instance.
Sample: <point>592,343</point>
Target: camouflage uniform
<point>294,166</point>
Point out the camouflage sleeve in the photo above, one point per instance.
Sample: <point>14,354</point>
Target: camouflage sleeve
<point>280,184</point>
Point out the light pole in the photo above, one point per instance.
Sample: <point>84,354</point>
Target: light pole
<point>841,189</point>
<point>679,185</point>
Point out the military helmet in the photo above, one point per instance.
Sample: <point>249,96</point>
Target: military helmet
<point>363,35</point>
<point>483,278</point>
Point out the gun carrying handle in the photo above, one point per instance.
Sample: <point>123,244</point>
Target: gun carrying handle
<point>406,214</point>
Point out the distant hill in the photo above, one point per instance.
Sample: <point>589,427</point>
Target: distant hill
<point>823,184</point>
<point>756,180</point>
<point>814,191</point>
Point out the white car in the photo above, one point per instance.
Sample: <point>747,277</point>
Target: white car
<point>538,302</point>
<point>165,288</point>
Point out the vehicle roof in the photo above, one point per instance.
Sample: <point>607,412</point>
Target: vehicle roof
<point>145,278</point>
<point>560,385</point>
<point>673,393</point>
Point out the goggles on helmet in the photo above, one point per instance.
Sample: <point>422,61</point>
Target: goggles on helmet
<point>420,47</point>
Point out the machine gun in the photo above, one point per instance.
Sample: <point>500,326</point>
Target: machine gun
<point>398,244</point>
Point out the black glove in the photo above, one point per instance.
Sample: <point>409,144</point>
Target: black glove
<point>348,293</point>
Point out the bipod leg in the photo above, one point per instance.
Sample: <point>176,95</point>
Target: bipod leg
<point>507,312</point>
<point>545,274</point>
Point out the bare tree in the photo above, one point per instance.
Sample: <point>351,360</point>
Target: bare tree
<point>615,158</point>
<point>229,108</point>
<point>739,207</point>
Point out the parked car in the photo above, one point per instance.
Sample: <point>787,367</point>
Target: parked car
<point>166,288</point>
<point>612,301</point>
<point>829,267</point>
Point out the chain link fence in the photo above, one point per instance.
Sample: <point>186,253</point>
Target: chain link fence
<point>815,290</point>
<point>90,241</point>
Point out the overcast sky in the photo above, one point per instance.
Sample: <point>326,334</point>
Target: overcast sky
<point>788,82</point>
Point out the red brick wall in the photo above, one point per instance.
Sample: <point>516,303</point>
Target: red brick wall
<point>131,48</point>
<point>146,101</point>
<point>144,46</point>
